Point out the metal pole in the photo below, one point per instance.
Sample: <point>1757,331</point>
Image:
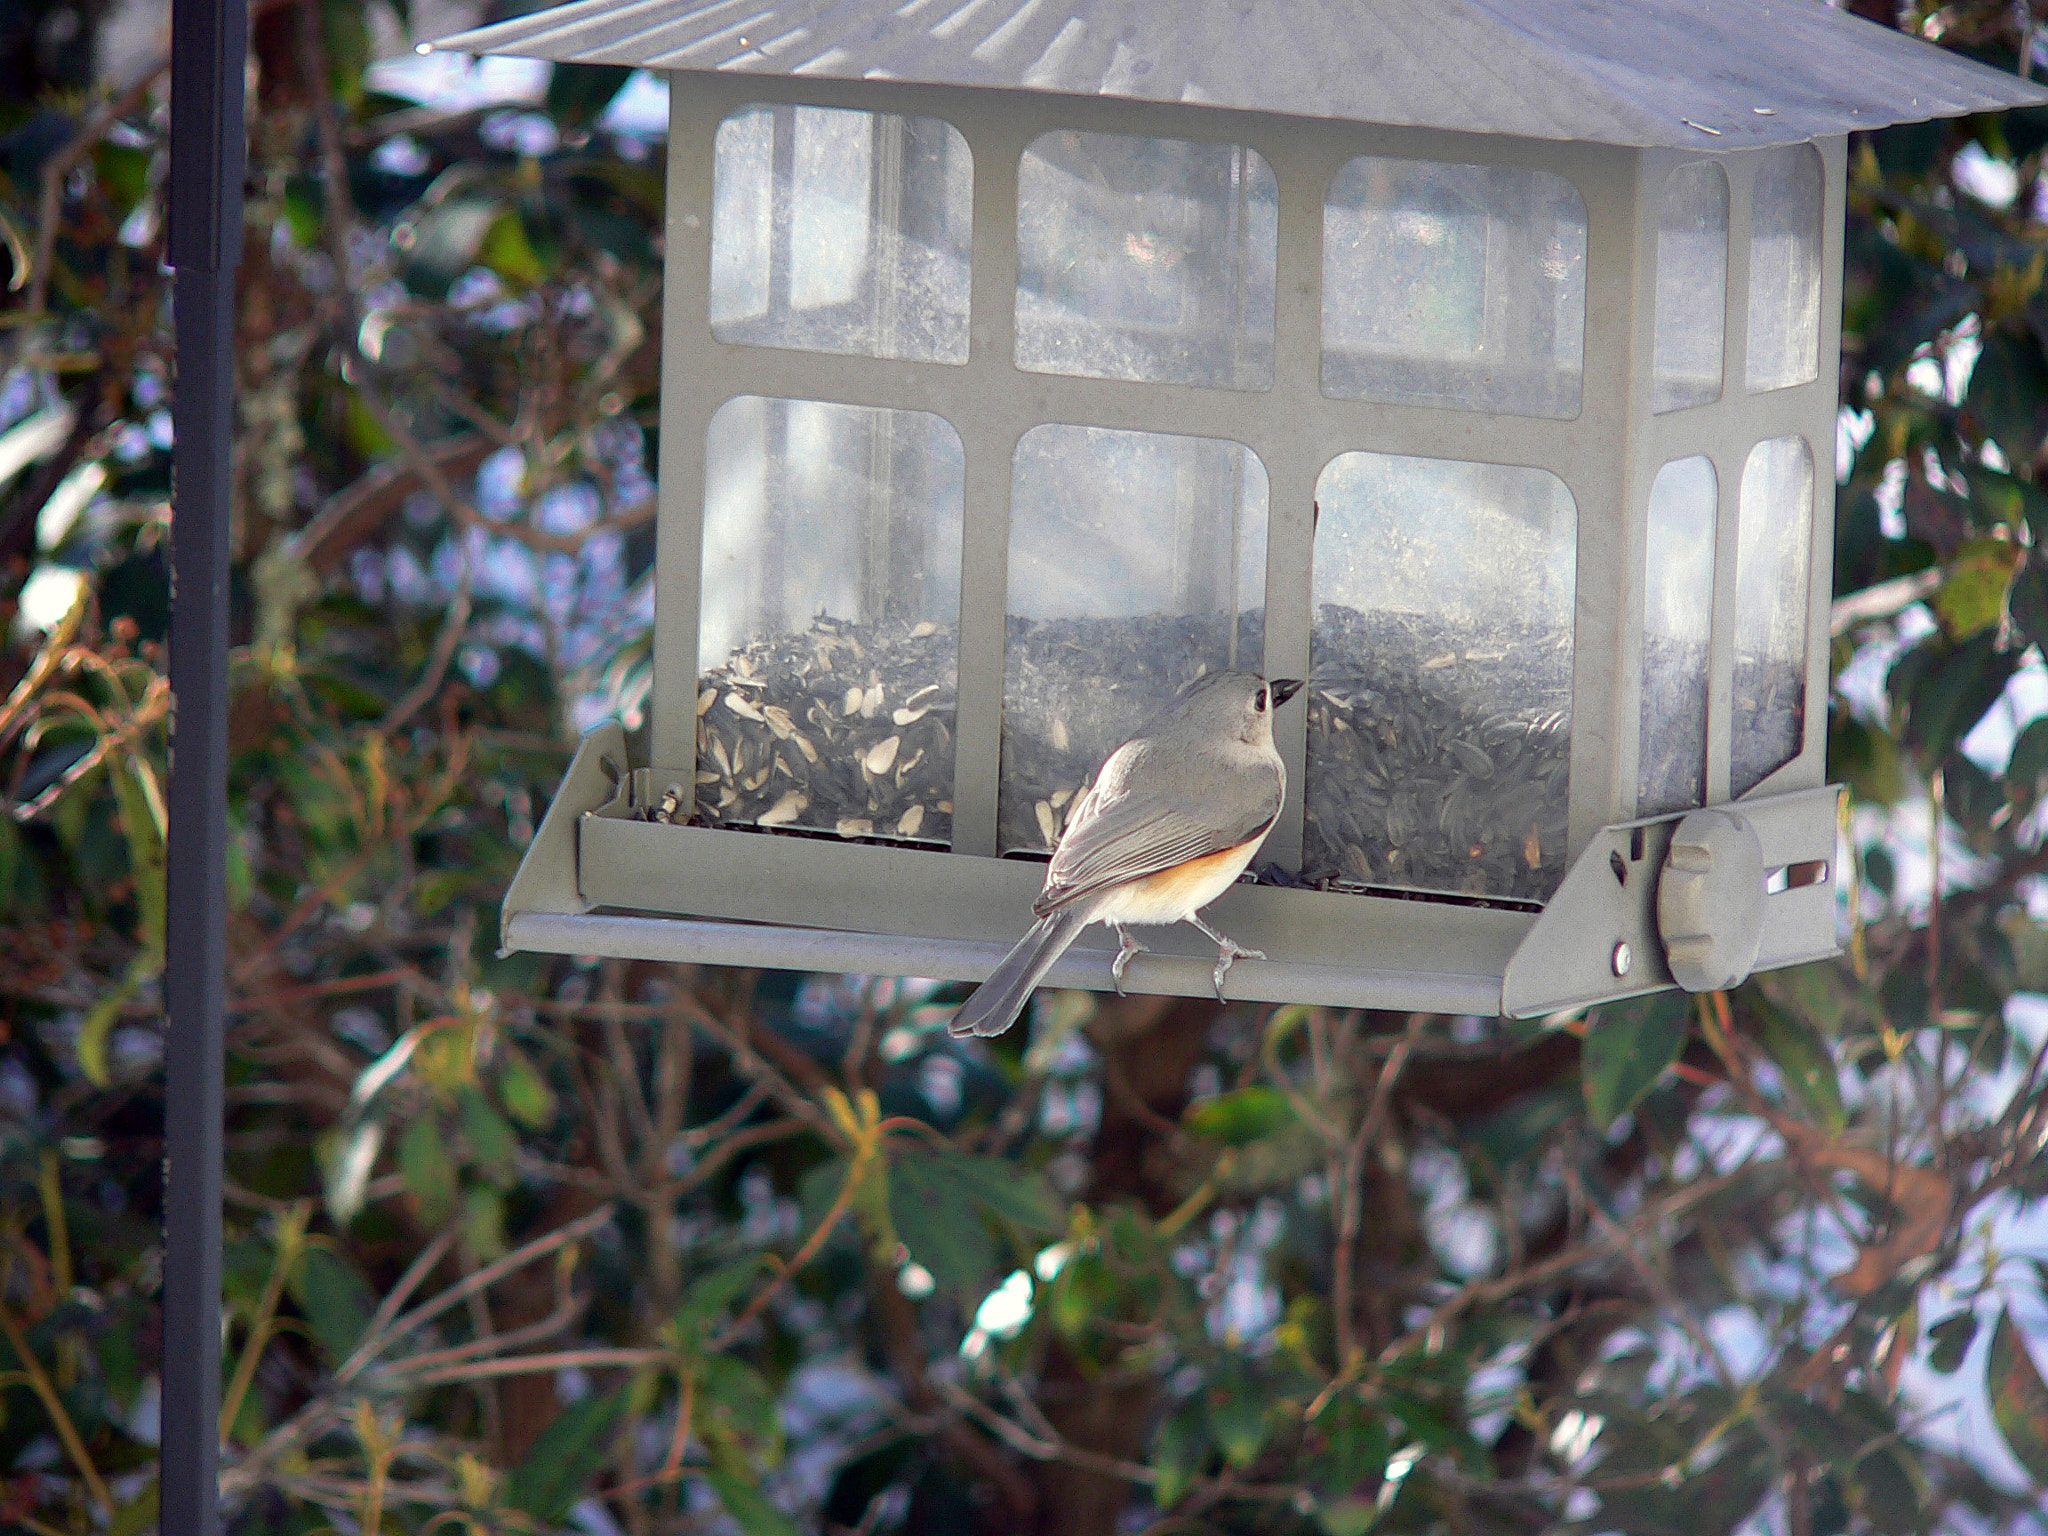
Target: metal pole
<point>209,47</point>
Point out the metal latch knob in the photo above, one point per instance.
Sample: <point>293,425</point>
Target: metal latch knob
<point>1710,900</point>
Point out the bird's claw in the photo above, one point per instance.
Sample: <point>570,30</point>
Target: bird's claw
<point>1228,953</point>
<point>1126,947</point>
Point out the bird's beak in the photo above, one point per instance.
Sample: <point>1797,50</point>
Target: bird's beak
<point>1284,688</point>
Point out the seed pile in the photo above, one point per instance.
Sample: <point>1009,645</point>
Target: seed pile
<point>1076,689</point>
<point>844,728</point>
<point>1673,745</point>
<point>1432,764</point>
<point>1770,720</point>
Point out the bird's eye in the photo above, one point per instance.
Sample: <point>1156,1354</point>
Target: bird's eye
<point>1259,702</point>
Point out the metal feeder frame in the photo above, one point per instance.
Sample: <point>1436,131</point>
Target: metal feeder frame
<point>600,879</point>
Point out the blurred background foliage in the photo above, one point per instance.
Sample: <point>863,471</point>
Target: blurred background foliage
<point>527,1244</point>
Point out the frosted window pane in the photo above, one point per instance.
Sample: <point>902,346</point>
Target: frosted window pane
<point>835,231</point>
<point>1439,722</point>
<point>1678,633</point>
<point>1454,285</point>
<point>1784,270</point>
<point>1137,562</point>
<point>1146,259</point>
<point>1692,287</point>
<point>1772,567</point>
<point>830,617</point>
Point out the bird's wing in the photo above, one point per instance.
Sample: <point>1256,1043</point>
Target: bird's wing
<point>1122,831</point>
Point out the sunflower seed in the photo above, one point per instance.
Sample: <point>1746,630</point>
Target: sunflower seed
<point>882,755</point>
<point>854,826</point>
<point>1048,824</point>
<point>871,701</point>
<point>784,811</point>
<point>924,629</point>
<point>706,699</point>
<point>778,721</point>
<point>910,821</point>
<point>908,716</point>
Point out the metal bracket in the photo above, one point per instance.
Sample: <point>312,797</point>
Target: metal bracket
<point>547,879</point>
<point>1601,936</point>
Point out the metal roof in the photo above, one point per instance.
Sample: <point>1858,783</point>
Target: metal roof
<point>1689,74</point>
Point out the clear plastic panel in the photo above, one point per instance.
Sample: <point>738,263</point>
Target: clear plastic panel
<point>1137,563</point>
<point>1439,725</point>
<point>1784,269</point>
<point>1678,637</point>
<point>829,630</point>
<point>1454,285</point>
<point>1692,287</point>
<point>1146,259</point>
<point>1773,567</point>
<point>836,231</point>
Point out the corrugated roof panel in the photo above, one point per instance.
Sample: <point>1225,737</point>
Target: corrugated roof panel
<point>1693,74</point>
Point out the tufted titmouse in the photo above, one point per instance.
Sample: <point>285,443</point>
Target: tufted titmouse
<point>1172,819</point>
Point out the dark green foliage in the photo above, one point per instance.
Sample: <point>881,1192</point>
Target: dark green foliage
<point>509,1233</point>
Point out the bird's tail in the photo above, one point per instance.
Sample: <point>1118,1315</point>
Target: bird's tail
<point>996,1002</point>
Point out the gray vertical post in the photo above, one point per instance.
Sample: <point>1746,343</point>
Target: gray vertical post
<point>209,44</point>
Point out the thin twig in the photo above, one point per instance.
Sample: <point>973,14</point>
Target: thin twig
<point>1351,1193</point>
<point>53,1405</point>
<point>375,1342</point>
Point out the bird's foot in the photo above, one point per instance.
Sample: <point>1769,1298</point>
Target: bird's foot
<point>1228,953</point>
<point>1126,947</point>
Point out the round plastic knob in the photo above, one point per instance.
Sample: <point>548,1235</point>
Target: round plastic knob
<point>1710,900</point>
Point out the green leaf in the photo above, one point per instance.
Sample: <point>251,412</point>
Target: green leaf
<point>1971,597</point>
<point>1866,757</point>
<point>1004,1189</point>
<point>736,1416</point>
<point>712,1295</point>
<point>429,1174</point>
<point>749,1507</point>
<point>446,241</point>
<point>1627,1049</point>
<point>938,1221</point>
<point>1241,1117</point>
<point>333,1297</point>
<point>565,1458</point>
<point>526,1095</point>
<point>2019,1399</point>
<point>2010,500</point>
<point>1180,1452</point>
<point>2028,599</point>
<point>1801,1052</point>
<point>507,251</point>
<point>492,1141</point>
<point>1951,1338</point>
<point>483,1223</point>
<point>137,1515</point>
<point>2007,390</point>
<point>1357,1446</point>
<point>1347,1516</point>
<point>1943,690</point>
<point>579,93</point>
<point>1237,1418</point>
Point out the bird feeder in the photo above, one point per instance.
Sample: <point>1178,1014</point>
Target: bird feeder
<point>1475,362</point>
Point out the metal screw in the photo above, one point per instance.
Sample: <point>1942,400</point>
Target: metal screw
<point>1624,957</point>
